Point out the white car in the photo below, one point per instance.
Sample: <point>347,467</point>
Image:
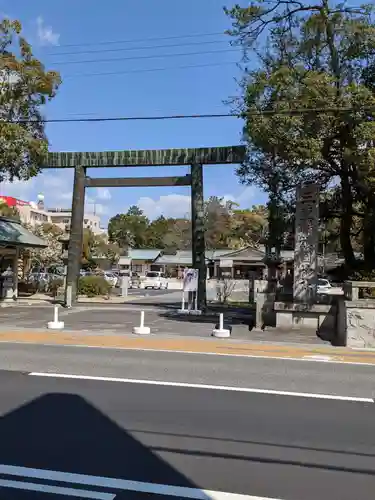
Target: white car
<point>324,287</point>
<point>110,278</point>
<point>155,280</point>
<point>134,280</point>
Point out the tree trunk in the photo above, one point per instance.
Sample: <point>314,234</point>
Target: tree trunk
<point>369,233</point>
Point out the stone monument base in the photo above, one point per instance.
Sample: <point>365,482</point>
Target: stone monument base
<point>320,317</point>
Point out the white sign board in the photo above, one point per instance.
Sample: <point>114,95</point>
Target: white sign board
<point>226,263</point>
<point>190,280</point>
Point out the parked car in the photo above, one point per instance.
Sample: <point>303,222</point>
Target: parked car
<point>324,287</point>
<point>155,280</point>
<point>42,280</point>
<point>110,278</point>
<point>134,278</point>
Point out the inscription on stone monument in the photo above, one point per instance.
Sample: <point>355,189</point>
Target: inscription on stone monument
<point>306,242</point>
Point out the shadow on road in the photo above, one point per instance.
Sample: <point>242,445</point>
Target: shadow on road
<point>232,315</point>
<point>64,432</point>
<point>337,451</point>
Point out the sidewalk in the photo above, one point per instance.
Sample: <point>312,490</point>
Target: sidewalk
<point>41,298</point>
<point>191,345</point>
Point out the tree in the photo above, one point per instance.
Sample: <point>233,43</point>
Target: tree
<point>217,222</point>
<point>88,242</point>
<point>102,249</point>
<point>128,230</point>
<point>25,86</point>
<point>160,233</point>
<point>52,254</point>
<point>248,226</point>
<point>7,211</point>
<point>178,236</point>
<point>317,57</point>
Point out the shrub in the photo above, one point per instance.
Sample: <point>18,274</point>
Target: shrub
<point>224,289</point>
<point>92,286</point>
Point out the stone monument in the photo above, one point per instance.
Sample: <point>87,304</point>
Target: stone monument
<point>306,243</point>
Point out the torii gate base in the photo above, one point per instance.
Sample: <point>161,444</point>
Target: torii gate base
<point>196,158</point>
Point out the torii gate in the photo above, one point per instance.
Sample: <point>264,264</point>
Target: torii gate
<point>196,158</point>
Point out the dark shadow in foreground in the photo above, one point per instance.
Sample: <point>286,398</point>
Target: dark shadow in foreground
<point>63,432</point>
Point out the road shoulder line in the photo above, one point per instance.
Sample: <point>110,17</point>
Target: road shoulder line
<point>202,386</point>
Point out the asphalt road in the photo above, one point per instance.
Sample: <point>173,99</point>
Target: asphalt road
<point>269,374</point>
<point>166,439</point>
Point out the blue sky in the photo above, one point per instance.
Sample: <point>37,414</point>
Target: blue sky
<point>60,30</point>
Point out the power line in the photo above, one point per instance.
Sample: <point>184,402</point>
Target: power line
<point>136,40</point>
<point>133,58</point>
<point>149,47</point>
<point>149,70</point>
<point>198,116</point>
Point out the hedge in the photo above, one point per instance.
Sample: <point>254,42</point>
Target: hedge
<point>92,286</point>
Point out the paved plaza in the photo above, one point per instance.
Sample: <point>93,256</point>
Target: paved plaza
<point>120,319</point>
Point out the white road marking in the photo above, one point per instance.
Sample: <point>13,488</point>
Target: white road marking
<point>203,386</point>
<point>122,485</point>
<point>57,490</point>
<point>171,351</point>
<point>318,357</point>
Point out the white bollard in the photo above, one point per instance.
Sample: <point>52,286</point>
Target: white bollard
<point>142,329</point>
<point>221,332</point>
<point>55,324</point>
<point>69,296</point>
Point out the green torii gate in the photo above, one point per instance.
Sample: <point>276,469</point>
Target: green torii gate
<point>196,158</point>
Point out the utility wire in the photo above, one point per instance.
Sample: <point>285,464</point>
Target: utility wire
<point>148,47</point>
<point>196,116</point>
<point>133,58</point>
<point>136,40</point>
<point>148,70</point>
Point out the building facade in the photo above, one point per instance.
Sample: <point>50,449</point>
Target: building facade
<point>62,217</point>
<point>34,213</point>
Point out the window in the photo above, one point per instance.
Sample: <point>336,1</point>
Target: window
<point>323,282</point>
<point>153,274</point>
<point>137,268</point>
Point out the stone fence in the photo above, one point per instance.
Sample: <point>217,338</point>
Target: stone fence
<point>347,320</point>
<point>356,315</point>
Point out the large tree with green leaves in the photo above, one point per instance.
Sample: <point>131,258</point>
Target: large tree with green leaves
<point>248,226</point>
<point>309,107</point>
<point>130,229</point>
<point>25,86</point>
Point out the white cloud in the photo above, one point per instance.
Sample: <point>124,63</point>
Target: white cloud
<point>178,205</point>
<point>101,209</point>
<point>103,194</point>
<point>46,35</point>
<point>56,185</point>
<point>171,205</point>
<point>245,199</point>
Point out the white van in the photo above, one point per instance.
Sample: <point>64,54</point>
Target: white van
<point>155,280</point>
